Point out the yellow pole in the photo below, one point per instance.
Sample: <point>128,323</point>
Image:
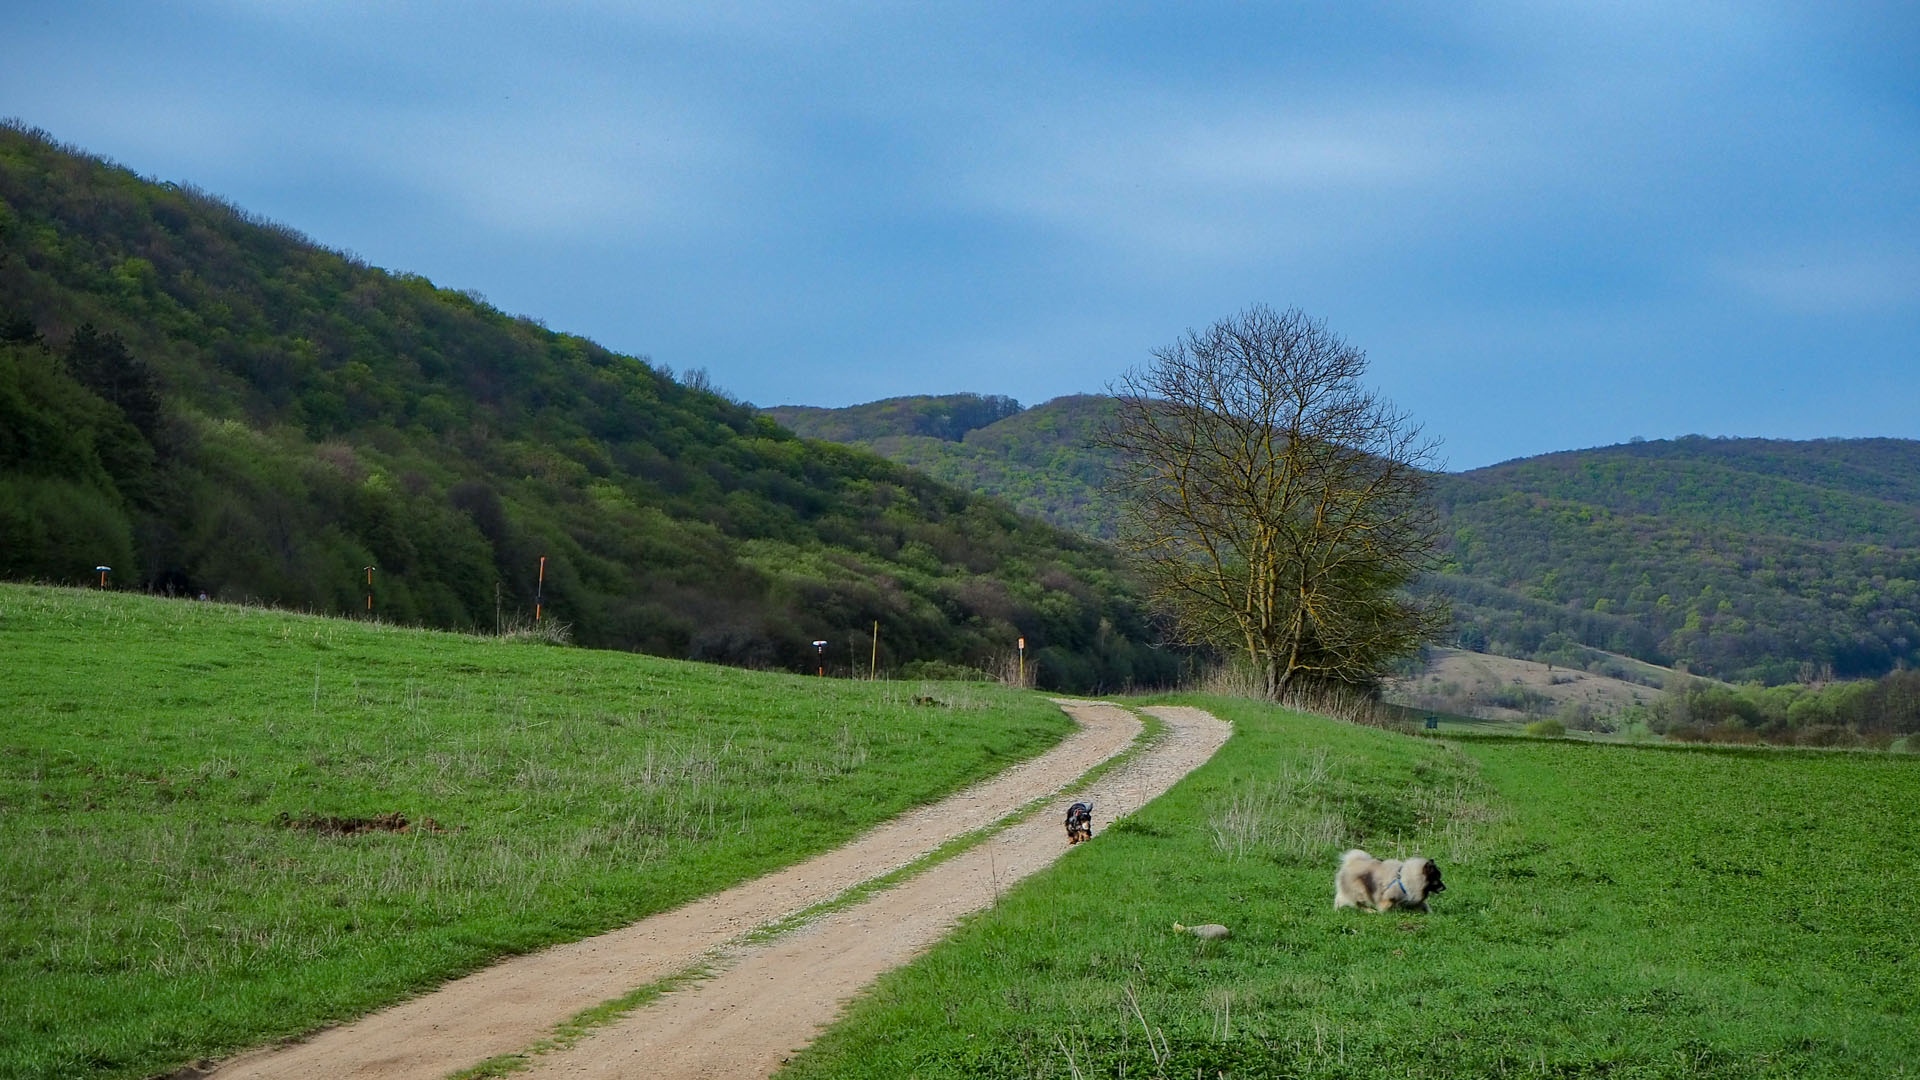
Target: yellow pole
<point>873,664</point>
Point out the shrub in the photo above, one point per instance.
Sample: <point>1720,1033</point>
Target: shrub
<point>1548,728</point>
<point>942,671</point>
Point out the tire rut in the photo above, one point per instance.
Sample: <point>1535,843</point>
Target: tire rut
<point>771,999</point>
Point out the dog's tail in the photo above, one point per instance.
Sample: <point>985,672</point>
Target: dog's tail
<point>1352,854</point>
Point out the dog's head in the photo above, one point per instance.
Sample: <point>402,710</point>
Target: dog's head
<point>1430,878</point>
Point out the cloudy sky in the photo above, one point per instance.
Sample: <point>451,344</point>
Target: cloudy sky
<point>1549,225</point>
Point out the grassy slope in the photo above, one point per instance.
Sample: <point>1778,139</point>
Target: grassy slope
<point>155,912</point>
<point>1611,911</point>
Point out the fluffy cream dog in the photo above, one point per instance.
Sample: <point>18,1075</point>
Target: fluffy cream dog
<point>1385,884</point>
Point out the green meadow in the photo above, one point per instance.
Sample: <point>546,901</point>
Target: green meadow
<point>168,896</point>
<point>1611,910</point>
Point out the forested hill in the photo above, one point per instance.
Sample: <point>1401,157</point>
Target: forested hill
<point>1745,558</point>
<point>204,400</point>
<point>1039,459</point>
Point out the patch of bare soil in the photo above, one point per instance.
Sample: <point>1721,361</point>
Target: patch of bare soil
<point>512,1005</point>
<point>1483,684</point>
<point>773,998</point>
<point>348,826</point>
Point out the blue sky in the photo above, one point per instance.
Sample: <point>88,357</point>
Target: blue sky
<point>1550,226</point>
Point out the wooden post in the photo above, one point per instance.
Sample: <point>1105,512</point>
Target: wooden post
<point>873,663</point>
<point>540,588</point>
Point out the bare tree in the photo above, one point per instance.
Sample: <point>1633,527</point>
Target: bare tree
<point>1276,507</point>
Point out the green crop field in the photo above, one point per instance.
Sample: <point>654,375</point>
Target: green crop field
<point>1612,911</point>
<point>169,770</point>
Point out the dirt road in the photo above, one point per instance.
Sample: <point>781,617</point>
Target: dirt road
<point>512,1005</point>
<point>773,998</point>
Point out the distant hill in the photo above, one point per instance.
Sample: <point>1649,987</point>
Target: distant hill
<point>1746,559</point>
<point>204,400</point>
<point>946,417</point>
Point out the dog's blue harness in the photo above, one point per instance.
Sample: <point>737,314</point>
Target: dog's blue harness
<point>1404,894</point>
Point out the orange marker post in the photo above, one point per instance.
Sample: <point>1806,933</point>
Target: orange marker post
<point>540,589</point>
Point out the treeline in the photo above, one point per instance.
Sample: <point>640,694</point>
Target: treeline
<point>947,417</point>
<point>206,401</point>
<point>1865,712</point>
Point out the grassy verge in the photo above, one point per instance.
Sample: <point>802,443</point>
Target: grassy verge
<point>160,909</point>
<point>1612,910</point>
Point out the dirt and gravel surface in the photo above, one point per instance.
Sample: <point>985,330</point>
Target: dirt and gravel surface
<point>771,999</point>
<point>514,1004</point>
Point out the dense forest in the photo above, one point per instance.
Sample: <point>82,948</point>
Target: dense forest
<point>207,401</point>
<point>1744,559</point>
<point>1039,459</point>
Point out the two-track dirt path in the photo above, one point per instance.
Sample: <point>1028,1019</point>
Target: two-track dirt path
<point>771,997</point>
<point>775,997</point>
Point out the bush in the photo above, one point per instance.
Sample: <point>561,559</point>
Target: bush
<point>942,671</point>
<point>1548,729</point>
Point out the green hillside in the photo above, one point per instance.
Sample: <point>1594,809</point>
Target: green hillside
<point>1747,559</point>
<point>205,400</point>
<point>945,417</point>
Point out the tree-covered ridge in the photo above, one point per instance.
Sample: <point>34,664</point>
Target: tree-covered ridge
<point>313,416</point>
<point>1038,459</point>
<point>1748,559</point>
<point>1744,558</point>
<point>947,416</point>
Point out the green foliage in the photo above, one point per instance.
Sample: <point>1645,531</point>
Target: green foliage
<point>227,406</point>
<point>1610,911</point>
<point>1040,460</point>
<point>1549,728</point>
<point>1749,559</point>
<point>947,418</point>
<point>161,908</point>
<point>1864,712</point>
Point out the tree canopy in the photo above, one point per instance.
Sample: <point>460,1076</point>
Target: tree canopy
<point>1275,506</point>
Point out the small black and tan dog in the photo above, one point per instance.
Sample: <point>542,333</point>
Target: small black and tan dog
<point>1079,823</point>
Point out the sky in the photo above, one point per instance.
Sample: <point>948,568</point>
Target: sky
<point>1549,226</point>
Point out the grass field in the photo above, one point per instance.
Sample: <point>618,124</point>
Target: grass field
<point>1612,911</point>
<point>158,906</point>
